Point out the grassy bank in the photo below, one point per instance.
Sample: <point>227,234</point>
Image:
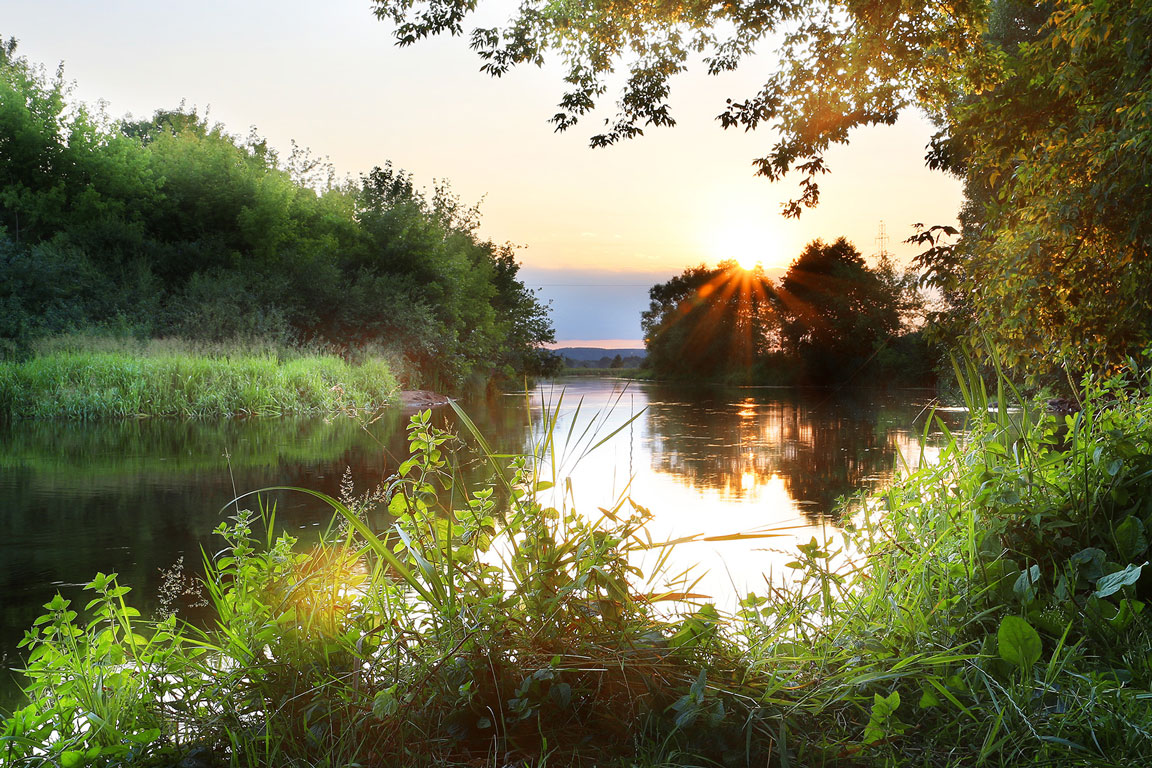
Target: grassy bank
<point>992,613</point>
<point>79,384</point>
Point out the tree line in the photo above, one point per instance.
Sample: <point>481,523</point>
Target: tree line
<point>1041,110</point>
<point>171,226</point>
<point>830,319</point>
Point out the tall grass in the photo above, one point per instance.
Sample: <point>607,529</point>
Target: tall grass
<point>80,384</point>
<point>992,612</point>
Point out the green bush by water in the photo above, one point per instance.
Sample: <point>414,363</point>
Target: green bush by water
<point>93,385</point>
<point>991,611</point>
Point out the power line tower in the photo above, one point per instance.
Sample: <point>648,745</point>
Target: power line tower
<point>882,243</point>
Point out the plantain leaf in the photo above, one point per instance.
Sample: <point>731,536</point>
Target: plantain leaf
<point>1114,582</point>
<point>1019,643</point>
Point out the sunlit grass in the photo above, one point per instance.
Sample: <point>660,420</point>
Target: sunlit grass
<point>501,625</point>
<point>94,384</point>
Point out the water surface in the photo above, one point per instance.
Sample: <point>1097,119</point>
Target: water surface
<point>134,496</point>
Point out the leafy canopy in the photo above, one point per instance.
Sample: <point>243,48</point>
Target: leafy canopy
<point>829,318</point>
<point>842,64</point>
<point>1042,109</point>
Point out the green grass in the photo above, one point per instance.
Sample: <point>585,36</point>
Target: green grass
<point>990,611</point>
<point>76,384</point>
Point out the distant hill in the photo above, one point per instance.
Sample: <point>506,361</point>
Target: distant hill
<point>593,354</point>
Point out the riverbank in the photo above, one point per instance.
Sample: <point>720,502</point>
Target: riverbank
<point>78,384</point>
<point>996,615</point>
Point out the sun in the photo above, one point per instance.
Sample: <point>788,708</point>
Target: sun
<point>748,262</point>
<point>749,245</point>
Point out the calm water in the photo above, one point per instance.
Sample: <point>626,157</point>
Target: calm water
<point>132,497</point>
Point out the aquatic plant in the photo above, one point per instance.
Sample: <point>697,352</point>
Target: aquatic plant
<point>93,385</point>
<point>991,611</point>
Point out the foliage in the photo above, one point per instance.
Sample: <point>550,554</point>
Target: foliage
<point>830,317</point>
<point>841,64</point>
<point>1041,109</point>
<point>1055,257</point>
<point>837,313</point>
<point>170,226</point>
<point>475,619</point>
<point>89,385</point>
<point>707,322</point>
<point>987,609</point>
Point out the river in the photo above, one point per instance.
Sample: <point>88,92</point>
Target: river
<point>133,497</point>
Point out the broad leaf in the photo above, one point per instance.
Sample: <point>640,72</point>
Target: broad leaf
<point>1114,582</point>
<point>1019,643</point>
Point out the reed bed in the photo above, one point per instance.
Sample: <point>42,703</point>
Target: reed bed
<point>75,384</point>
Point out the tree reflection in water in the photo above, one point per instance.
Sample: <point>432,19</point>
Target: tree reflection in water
<point>815,446</point>
<point>133,496</point>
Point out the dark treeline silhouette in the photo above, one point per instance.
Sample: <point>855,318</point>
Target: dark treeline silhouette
<point>614,362</point>
<point>170,226</point>
<point>831,319</point>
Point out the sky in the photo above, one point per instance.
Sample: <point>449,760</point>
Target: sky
<point>595,227</point>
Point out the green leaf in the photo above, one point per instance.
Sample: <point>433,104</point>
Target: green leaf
<point>57,603</point>
<point>990,546</point>
<point>1025,586</point>
<point>882,721</point>
<point>1130,539</point>
<point>1114,582</point>
<point>1019,643</point>
<point>146,737</point>
<point>385,704</point>
<point>1092,559</point>
<point>1126,613</point>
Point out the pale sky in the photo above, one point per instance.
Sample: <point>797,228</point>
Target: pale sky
<point>598,227</point>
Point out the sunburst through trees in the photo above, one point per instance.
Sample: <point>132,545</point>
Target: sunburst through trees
<point>831,318</point>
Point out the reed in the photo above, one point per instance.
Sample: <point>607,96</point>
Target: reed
<point>77,384</point>
<point>987,609</point>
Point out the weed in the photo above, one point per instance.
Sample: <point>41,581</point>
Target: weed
<point>91,384</point>
<point>992,613</point>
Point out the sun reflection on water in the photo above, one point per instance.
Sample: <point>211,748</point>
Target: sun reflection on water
<point>768,460</point>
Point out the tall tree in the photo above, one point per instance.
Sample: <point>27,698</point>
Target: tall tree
<point>836,313</point>
<point>709,322</point>
<point>1056,257</point>
<point>828,319</point>
<point>1042,109</point>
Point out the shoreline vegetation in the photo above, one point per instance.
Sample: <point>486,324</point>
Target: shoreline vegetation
<point>995,614</point>
<point>180,380</point>
<point>993,611</point>
<point>171,227</point>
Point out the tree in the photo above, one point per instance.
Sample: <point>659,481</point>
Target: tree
<point>1042,110</point>
<point>836,313</point>
<point>829,318</point>
<point>173,226</point>
<point>1056,257</point>
<point>842,64</point>
<point>709,322</point>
